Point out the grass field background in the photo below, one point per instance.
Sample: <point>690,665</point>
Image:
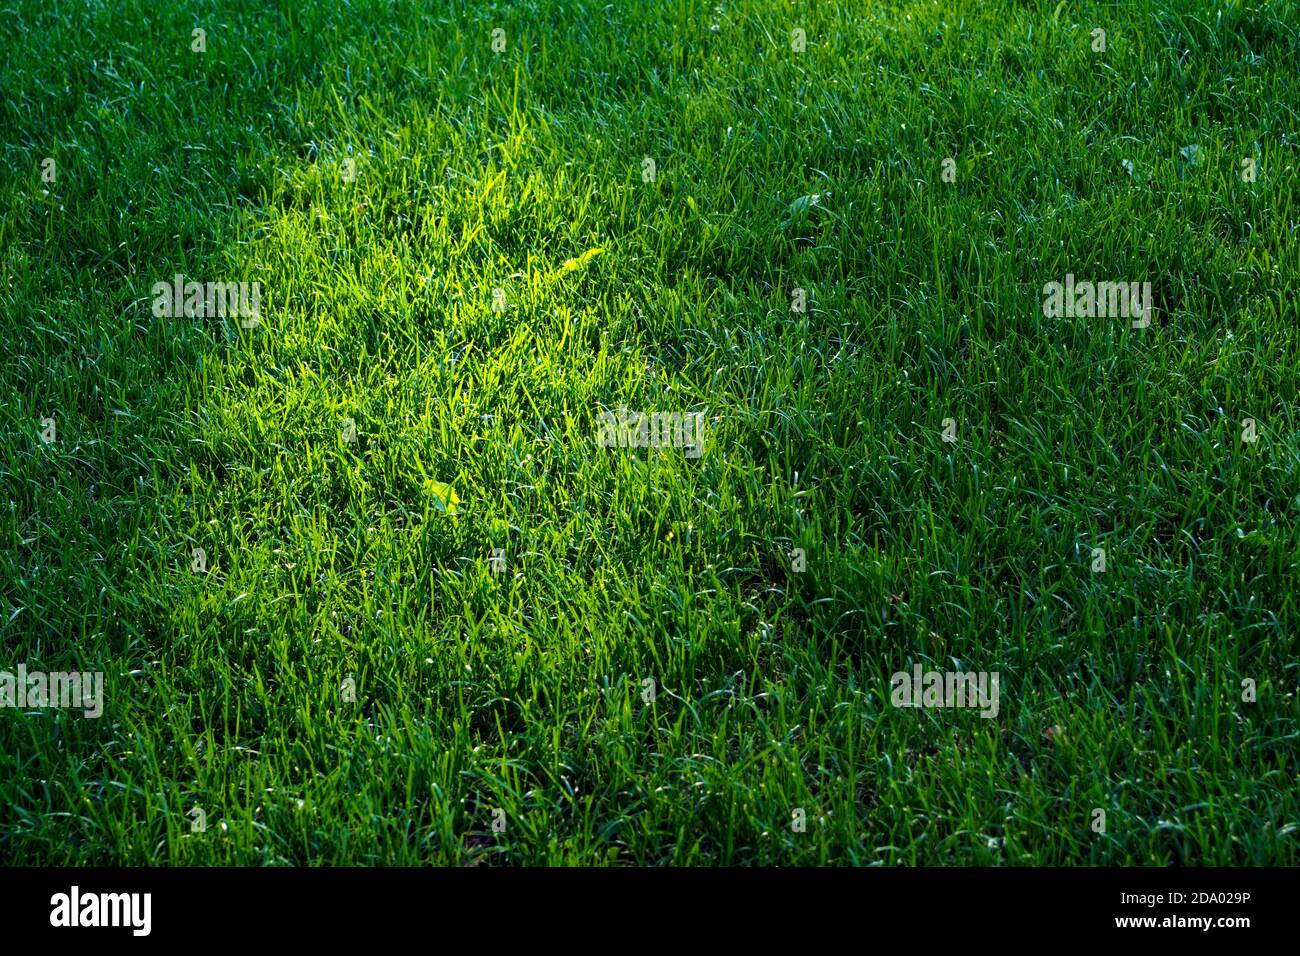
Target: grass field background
<point>523,691</point>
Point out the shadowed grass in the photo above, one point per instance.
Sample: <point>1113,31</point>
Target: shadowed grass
<point>525,691</point>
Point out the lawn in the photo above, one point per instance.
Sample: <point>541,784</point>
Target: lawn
<point>365,581</point>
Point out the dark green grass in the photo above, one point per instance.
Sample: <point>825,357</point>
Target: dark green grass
<point>522,691</point>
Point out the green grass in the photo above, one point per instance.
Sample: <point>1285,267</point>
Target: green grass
<point>523,691</point>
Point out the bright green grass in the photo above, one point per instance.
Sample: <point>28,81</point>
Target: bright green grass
<point>523,691</point>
